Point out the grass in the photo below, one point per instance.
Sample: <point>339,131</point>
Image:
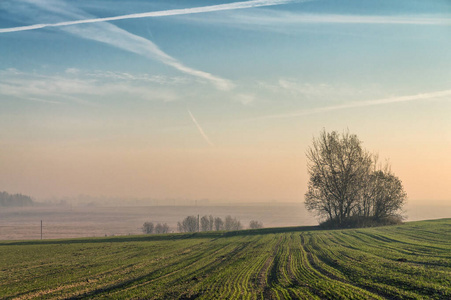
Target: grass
<point>410,261</point>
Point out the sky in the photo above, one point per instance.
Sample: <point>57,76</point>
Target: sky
<point>219,100</point>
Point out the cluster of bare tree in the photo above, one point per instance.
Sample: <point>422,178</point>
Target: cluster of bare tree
<point>255,224</point>
<point>208,223</point>
<point>205,223</point>
<point>189,224</point>
<point>150,228</point>
<point>347,183</point>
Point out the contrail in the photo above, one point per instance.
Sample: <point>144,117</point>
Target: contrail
<point>271,18</point>
<point>200,129</point>
<point>104,32</point>
<point>164,13</point>
<point>125,40</point>
<point>112,35</point>
<point>423,96</point>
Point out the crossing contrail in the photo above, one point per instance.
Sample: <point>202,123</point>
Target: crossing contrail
<point>111,34</point>
<point>102,31</point>
<point>164,13</point>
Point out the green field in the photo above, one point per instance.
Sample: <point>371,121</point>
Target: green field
<point>410,261</point>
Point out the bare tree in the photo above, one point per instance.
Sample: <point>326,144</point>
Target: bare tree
<point>255,224</point>
<point>388,194</point>
<point>210,222</point>
<point>232,223</point>
<point>189,224</point>
<point>158,228</point>
<point>337,165</point>
<point>148,227</point>
<point>165,228</point>
<point>180,227</point>
<point>161,228</point>
<point>206,223</point>
<point>219,224</point>
<point>344,181</point>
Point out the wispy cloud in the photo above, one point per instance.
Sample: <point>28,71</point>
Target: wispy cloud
<point>357,104</point>
<point>201,131</point>
<point>296,87</point>
<point>40,88</point>
<point>77,86</point>
<point>164,13</point>
<point>134,77</point>
<point>99,30</point>
<point>288,91</point>
<point>245,98</point>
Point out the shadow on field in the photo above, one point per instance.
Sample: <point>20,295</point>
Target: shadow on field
<point>162,237</point>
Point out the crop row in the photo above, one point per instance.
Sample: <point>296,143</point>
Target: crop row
<point>411,261</point>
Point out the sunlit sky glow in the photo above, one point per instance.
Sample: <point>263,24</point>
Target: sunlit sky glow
<point>219,99</point>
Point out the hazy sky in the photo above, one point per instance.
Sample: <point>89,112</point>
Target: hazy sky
<point>219,99</point>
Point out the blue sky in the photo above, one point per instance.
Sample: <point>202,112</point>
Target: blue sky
<point>215,99</point>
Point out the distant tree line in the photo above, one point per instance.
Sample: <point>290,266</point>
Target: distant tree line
<point>15,200</point>
<point>150,228</point>
<point>347,186</point>
<point>208,223</point>
<point>204,223</point>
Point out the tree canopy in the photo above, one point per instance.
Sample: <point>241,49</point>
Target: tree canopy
<point>347,183</point>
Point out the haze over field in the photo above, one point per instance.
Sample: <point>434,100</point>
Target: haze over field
<point>219,100</point>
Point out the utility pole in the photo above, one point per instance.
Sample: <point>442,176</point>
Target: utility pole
<point>198,223</point>
<point>41,229</point>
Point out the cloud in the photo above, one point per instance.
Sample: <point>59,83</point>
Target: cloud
<point>201,131</point>
<point>357,104</point>
<point>72,71</point>
<point>78,86</point>
<point>39,88</point>
<point>100,31</point>
<point>144,78</point>
<point>97,29</point>
<point>288,90</point>
<point>245,99</point>
<point>298,88</point>
<point>117,37</point>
